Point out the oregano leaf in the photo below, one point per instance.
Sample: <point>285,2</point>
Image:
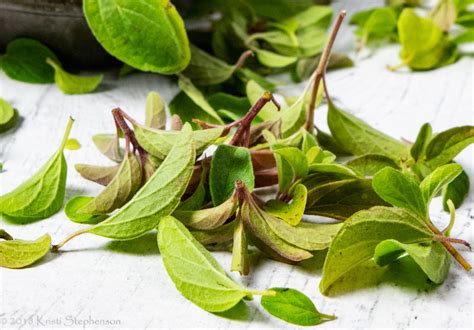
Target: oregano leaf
<point>8,116</point>
<point>18,253</point>
<point>75,204</point>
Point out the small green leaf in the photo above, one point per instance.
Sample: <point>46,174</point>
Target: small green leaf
<point>205,69</point>
<point>198,197</point>
<point>222,234</point>
<point>456,191</point>
<point>293,307</point>
<point>194,271</point>
<point>418,149</point>
<point>355,243</point>
<point>99,174</point>
<point>74,84</point>
<point>210,218</point>
<point>120,189</point>
<point>108,145</point>
<point>273,60</point>
<point>147,35</point>
<point>358,138</point>
<point>159,142</point>
<point>426,49</point>
<point>72,144</point>
<point>296,159</point>
<point>432,257</point>
<point>198,98</point>
<point>155,115</point>
<point>240,258</point>
<point>25,60</point>
<point>43,194</point>
<point>235,107</point>
<point>77,202</point>
<point>292,212</point>
<point>400,190</point>
<point>369,165</point>
<point>256,224</point>
<point>228,165</point>
<point>157,198</point>
<point>305,235</point>
<point>18,253</point>
<point>8,116</point>
<point>448,144</point>
<point>434,183</point>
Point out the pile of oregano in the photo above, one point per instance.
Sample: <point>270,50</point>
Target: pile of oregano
<point>375,188</point>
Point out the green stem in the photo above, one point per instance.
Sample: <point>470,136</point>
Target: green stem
<point>56,247</point>
<point>396,67</point>
<point>66,134</point>
<point>269,293</point>
<point>452,213</point>
<point>326,316</point>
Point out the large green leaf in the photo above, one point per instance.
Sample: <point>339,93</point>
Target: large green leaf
<point>355,243</point>
<point>146,34</point>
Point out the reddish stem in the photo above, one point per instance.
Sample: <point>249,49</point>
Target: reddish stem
<point>321,70</point>
<point>119,116</point>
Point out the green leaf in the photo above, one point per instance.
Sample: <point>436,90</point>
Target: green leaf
<point>228,165</point>
<point>72,144</point>
<point>18,253</point>
<point>120,190</point>
<point>355,243</point>
<point>198,197</point>
<point>273,60</point>
<point>77,202</point>
<point>210,218</point>
<point>43,194</point>
<point>306,66</point>
<point>334,168</point>
<point>99,174</point>
<point>157,198</point>
<point>369,165</point>
<point>432,257</point>
<point>434,183</point>
<point>295,158</point>
<point>222,234</point>
<point>198,98</point>
<point>205,69</point>
<point>147,35</point>
<point>235,107</point>
<point>8,116</point>
<point>305,235</point>
<point>293,307</point>
<point>25,60</point>
<point>155,115</point>
<point>358,138</point>
<point>400,190</point>
<point>194,271</point>
<point>240,258</point>
<point>456,191</point>
<point>336,197</point>
<point>466,36</point>
<point>426,49</point>
<point>256,224</point>
<point>74,84</point>
<point>375,24</point>
<point>108,145</point>
<point>159,142</point>
<point>292,212</point>
<point>418,149</point>
<point>448,144</point>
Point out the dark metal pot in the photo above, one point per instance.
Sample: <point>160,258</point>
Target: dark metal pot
<point>59,24</point>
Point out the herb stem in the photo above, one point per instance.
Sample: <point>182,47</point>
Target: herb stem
<point>321,70</point>
<point>241,61</point>
<point>250,116</point>
<point>66,134</point>
<point>452,214</point>
<point>269,293</point>
<point>55,248</point>
<point>451,249</point>
<point>119,116</point>
<point>4,235</point>
<point>442,238</point>
<point>326,316</point>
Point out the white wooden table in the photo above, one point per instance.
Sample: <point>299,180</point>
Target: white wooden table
<point>102,284</point>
